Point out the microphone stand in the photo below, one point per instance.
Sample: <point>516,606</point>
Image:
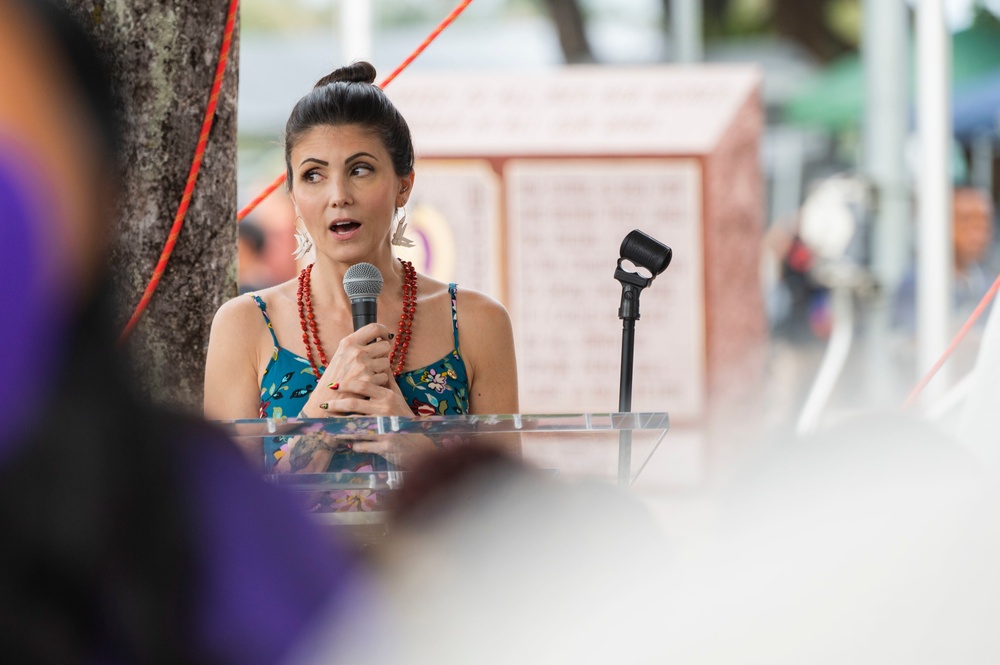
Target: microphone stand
<point>628,312</point>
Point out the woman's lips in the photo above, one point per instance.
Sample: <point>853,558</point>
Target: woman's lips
<point>344,229</point>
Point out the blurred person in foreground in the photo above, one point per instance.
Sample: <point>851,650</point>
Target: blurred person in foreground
<point>292,351</point>
<point>875,541</point>
<point>489,560</point>
<point>130,534</point>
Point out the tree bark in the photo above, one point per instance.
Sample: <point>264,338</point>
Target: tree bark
<point>715,12</point>
<point>802,21</point>
<point>569,24</point>
<point>806,23</point>
<point>164,56</point>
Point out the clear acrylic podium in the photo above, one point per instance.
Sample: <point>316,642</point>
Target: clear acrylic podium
<point>606,447</point>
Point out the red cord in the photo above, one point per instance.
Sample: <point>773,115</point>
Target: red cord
<point>260,197</point>
<point>413,56</point>
<point>206,128</point>
<point>980,308</point>
<point>431,37</point>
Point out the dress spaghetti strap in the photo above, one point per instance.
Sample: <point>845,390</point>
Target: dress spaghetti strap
<point>267,319</point>
<point>453,290</point>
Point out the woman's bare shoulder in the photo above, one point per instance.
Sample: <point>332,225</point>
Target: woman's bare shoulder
<point>480,307</point>
<point>484,326</point>
<point>242,314</point>
<point>486,337</point>
<point>429,287</point>
<point>481,316</point>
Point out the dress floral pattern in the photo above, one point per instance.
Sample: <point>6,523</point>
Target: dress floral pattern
<point>441,388</point>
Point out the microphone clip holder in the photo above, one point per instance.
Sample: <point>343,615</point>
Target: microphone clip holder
<point>632,286</point>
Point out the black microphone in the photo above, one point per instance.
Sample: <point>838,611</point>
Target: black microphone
<point>362,283</point>
<point>647,252</point>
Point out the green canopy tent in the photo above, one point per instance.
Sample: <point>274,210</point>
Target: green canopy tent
<point>834,100</point>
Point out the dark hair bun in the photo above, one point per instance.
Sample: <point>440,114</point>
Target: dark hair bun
<point>356,72</point>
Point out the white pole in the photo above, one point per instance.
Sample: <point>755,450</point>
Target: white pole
<point>886,119</point>
<point>885,34</point>
<point>786,165</point>
<point>686,20</point>
<point>934,222</point>
<point>837,350</point>
<point>356,30</point>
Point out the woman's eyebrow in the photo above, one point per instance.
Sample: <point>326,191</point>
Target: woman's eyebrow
<point>360,154</point>
<point>313,159</point>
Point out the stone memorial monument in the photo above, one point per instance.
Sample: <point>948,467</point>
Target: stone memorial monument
<point>526,184</point>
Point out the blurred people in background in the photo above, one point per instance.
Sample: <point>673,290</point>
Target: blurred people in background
<point>974,272</point>
<point>130,534</point>
<point>973,232</point>
<point>254,272</point>
<point>799,303</point>
<point>275,217</point>
<point>825,246</point>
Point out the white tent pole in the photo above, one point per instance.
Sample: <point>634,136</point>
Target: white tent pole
<point>884,49</point>
<point>356,30</point>
<point>934,219</point>
<point>686,20</point>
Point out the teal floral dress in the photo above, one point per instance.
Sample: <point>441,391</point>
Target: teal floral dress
<point>441,388</point>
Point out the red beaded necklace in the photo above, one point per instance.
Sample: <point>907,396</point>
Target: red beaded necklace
<point>397,358</point>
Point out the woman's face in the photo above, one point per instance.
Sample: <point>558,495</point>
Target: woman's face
<point>345,190</point>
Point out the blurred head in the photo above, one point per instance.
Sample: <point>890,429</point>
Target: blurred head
<point>558,570</point>
<point>348,96</point>
<point>973,225</point>
<point>58,146</point>
<point>58,141</point>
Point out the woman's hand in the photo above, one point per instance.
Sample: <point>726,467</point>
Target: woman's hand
<point>403,450</point>
<point>365,398</point>
<point>361,359</point>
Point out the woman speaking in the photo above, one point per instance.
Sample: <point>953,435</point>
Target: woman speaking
<point>291,350</point>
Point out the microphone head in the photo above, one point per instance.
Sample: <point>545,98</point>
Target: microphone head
<point>363,280</point>
<point>645,251</point>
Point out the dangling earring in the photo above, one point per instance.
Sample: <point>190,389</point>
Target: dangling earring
<point>303,243</point>
<point>398,239</point>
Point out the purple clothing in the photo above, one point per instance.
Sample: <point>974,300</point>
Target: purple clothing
<point>265,571</point>
<point>136,534</point>
<point>33,329</point>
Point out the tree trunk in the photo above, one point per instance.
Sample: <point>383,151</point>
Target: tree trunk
<point>802,21</point>
<point>568,19</point>
<point>715,15</point>
<point>806,23</point>
<point>164,56</point>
